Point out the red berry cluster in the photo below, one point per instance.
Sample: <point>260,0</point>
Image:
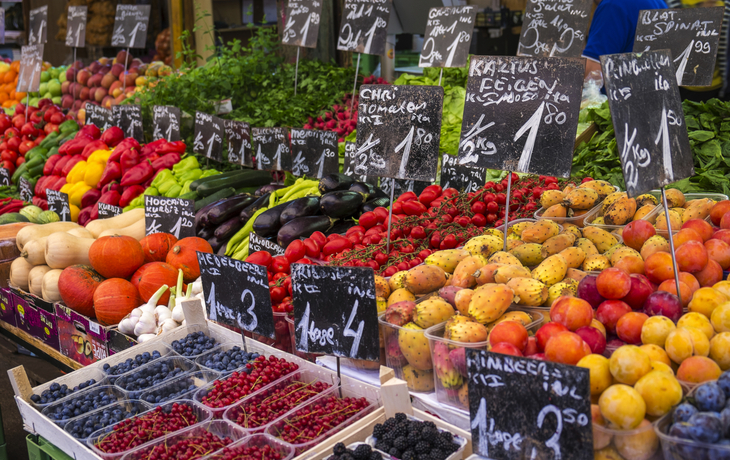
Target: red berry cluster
<point>266,407</point>
<point>136,431</point>
<point>238,385</point>
<point>248,452</point>
<point>188,448</point>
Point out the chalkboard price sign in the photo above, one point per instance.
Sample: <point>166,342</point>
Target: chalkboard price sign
<point>169,215</point>
<point>314,153</point>
<point>555,28</point>
<point>521,114</point>
<point>166,123</point>
<point>256,243</point>
<point>76,26</point>
<point>646,108</point>
<point>344,322</point>
<point>272,149</point>
<point>209,134</point>
<point>239,142</point>
<point>237,293</point>
<point>130,26</point>
<point>99,116</point>
<point>2,26</point>
<point>356,166</point>
<point>31,60</point>
<point>26,191</point>
<point>399,128</point>
<point>38,33</point>
<point>448,36</point>
<point>464,178</point>
<point>692,35</point>
<point>58,203</point>
<point>4,177</point>
<point>302,23</point>
<point>402,186</point>
<point>364,26</point>
<point>108,210</point>
<point>129,119</point>
<point>522,408</point>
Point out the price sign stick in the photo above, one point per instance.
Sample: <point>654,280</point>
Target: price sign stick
<point>441,74</point>
<point>27,95</point>
<point>671,243</point>
<point>506,209</point>
<point>124,82</point>
<point>73,93</point>
<point>296,72</point>
<point>390,216</point>
<point>338,373</point>
<point>352,102</point>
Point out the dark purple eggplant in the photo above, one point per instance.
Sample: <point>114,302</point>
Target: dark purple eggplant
<point>341,227</point>
<point>303,227</point>
<point>253,207</point>
<point>342,203</point>
<point>368,189</point>
<point>335,181</point>
<point>268,189</point>
<point>267,223</point>
<point>206,233</point>
<point>215,243</point>
<point>228,228</point>
<point>307,206</point>
<point>201,219</point>
<point>229,208</point>
<point>376,203</point>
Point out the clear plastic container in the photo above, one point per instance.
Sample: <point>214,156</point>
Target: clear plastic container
<point>638,444</point>
<point>227,432</point>
<point>202,414</point>
<point>580,220</point>
<point>419,378</point>
<point>458,455</point>
<point>128,407</point>
<point>675,448</point>
<point>282,339</point>
<point>183,386</point>
<point>223,347</point>
<point>595,213</point>
<point>169,339</point>
<point>54,410</point>
<point>261,397</point>
<point>292,334</point>
<point>146,347</point>
<point>652,216</point>
<point>127,381</point>
<point>512,223</point>
<point>284,449</point>
<point>70,380</point>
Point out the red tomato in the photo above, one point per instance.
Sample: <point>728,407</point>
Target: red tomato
<point>408,196</point>
<point>586,179</point>
<point>356,237</point>
<point>418,232</point>
<point>277,293</point>
<point>427,197</point>
<point>295,251</point>
<point>304,261</point>
<point>279,276</point>
<point>390,271</point>
<point>355,229</point>
<point>368,220</point>
<point>436,189</point>
<point>14,143</point>
<point>5,122</point>
<point>373,264</point>
<point>423,254</point>
<point>311,248</point>
<point>479,220</point>
<point>3,146</point>
<point>9,166</point>
<point>9,155</point>
<point>28,130</point>
<point>397,208</point>
<point>478,208</point>
<point>57,118</point>
<point>50,127</point>
<point>25,146</point>
<point>259,258</point>
<point>333,236</point>
<point>280,264</point>
<point>336,246</point>
<point>382,214</point>
<point>19,161</point>
<point>414,208</point>
<point>18,121</point>
<point>319,238</point>
<point>449,242</point>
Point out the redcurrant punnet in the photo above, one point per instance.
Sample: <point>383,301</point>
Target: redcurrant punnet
<point>187,448</point>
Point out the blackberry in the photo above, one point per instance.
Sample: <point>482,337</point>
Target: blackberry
<point>422,447</point>
<point>383,446</point>
<point>400,443</point>
<point>394,452</point>
<point>438,454</point>
<point>346,456</point>
<point>409,455</point>
<point>362,452</point>
<point>430,425</point>
<point>401,417</point>
<point>390,424</point>
<point>414,426</point>
<point>447,436</point>
<point>339,448</point>
<point>378,431</point>
<point>443,444</point>
<point>375,456</point>
<point>429,433</point>
<point>400,430</point>
<point>389,437</point>
<point>413,438</point>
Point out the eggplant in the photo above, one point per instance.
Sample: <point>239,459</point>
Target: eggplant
<point>200,219</point>
<point>206,233</point>
<point>341,227</point>
<point>267,223</point>
<point>228,228</point>
<point>215,243</point>
<point>335,181</point>
<point>229,208</point>
<point>342,203</point>
<point>307,206</point>
<point>367,189</point>
<point>376,203</point>
<point>268,189</point>
<point>303,227</point>
<point>253,207</point>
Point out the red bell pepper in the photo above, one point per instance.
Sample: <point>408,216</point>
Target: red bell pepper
<point>112,172</point>
<point>129,143</point>
<point>90,197</point>
<point>112,136</point>
<point>170,147</point>
<point>111,197</point>
<point>85,215</point>
<point>150,156</point>
<point>60,164</point>
<point>57,184</point>
<point>76,145</point>
<point>93,147</point>
<point>91,130</point>
<point>50,163</point>
<point>129,194</point>
<point>166,162</point>
<point>111,186</point>
<point>129,160</point>
<point>70,164</point>
<point>40,186</point>
<point>117,153</point>
<point>138,174</point>
<point>152,147</point>
<point>40,202</point>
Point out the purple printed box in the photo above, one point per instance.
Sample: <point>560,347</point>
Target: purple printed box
<point>80,338</point>
<point>7,307</point>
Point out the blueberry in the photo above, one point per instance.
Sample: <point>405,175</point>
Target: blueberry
<point>705,427</point>
<point>683,412</point>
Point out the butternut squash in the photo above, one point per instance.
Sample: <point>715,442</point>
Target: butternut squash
<point>19,271</point>
<point>34,251</point>
<point>50,285</point>
<point>81,232</point>
<point>136,231</point>
<point>33,232</point>
<point>64,250</point>
<point>123,220</point>
<point>35,279</point>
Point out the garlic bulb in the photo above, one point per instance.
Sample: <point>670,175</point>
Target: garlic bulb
<point>178,314</point>
<point>168,325</point>
<point>145,337</point>
<point>197,286</point>
<point>136,313</point>
<point>126,326</point>
<point>162,313</point>
<point>145,325</point>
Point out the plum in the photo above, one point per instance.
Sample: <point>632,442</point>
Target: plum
<point>664,304</point>
<point>588,291</point>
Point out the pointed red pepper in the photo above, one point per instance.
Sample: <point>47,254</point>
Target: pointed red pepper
<point>129,160</point>
<point>93,147</point>
<point>138,174</point>
<point>129,194</point>
<point>112,172</point>
<point>166,162</point>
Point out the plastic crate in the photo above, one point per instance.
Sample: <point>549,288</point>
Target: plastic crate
<point>293,337</point>
<point>458,455</point>
<point>124,382</point>
<point>637,444</point>
<point>52,452</point>
<point>580,220</point>
<point>652,216</point>
<point>147,347</point>
<point>419,379</point>
<point>170,337</point>
<point>187,384</point>
<point>34,448</point>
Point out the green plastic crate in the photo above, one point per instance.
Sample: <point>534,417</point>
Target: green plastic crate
<point>34,448</point>
<point>53,452</point>
<point>3,452</point>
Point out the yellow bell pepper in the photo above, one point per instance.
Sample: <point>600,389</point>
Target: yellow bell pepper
<point>66,188</point>
<point>99,156</point>
<point>75,213</point>
<point>77,173</point>
<point>78,190</point>
<point>93,173</point>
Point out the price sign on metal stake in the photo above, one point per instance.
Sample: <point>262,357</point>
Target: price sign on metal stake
<point>314,153</point>
<point>209,134</point>
<point>239,142</point>
<point>76,26</point>
<point>129,119</point>
<point>364,26</point>
<point>448,36</point>
<point>166,123</point>
<point>108,210</point>
<point>355,165</point>
<point>4,177</point>
<point>302,23</point>
<point>31,62</point>
<point>169,215</point>
<point>130,26</point>
<point>463,178</point>
<point>26,191</point>
<point>273,152</point>
<point>38,19</point>
<point>555,28</point>
<point>99,116</point>
<point>58,203</point>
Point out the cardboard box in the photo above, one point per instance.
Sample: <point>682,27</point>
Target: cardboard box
<point>80,338</point>
<point>26,317</point>
<point>7,306</point>
<point>36,317</point>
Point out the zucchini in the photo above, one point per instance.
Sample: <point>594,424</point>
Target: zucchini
<point>189,196</point>
<point>221,194</point>
<point>12,218</point>
<point>243,179</point>
<point>198,182</point>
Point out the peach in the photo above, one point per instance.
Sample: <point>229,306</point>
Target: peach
<point>594,338</point>
<point>711,274</point>
<point>622,406</point>
<point>725,221</point>
<point>506,349</point>
<point>613,283</point>
<point>722,286</point>
<point>117,69</point>
<point>706,300</point>
<point>685,235</point>
<point>685,342</point>
<point>511,332</point>
<point>701,226</point>
<point>720,318</point>
<point>546,332</point>
<point>84,93</point>
<point>637,232</point>
<point>658,267</point>
<point>531,347</point>
<point>722,235</point>
<point>698,369</point>
<point>698,320</point>
<point>631,264</point>
<point>718,210</point>
<point>628,364</point>
<point>720,350</point>
<point>600,376</point>
<point>662,367</point>
<point>601,438</point>
<point>83,77</point>
<point>598,325</point>
<point>566,348</point>
<point>641,444</point>
<point>100,94</point>
<point>641,288</point>
<point>571,312</point>
<point>655,330</point>
<point>656,354</point>
<point>660,391</point>
<point>691,256</point>
<point>719,251</point>
<point>689,280</point>
<point>670,286</point>
<point>610,311</point>
<point>629,327</point>
<point>107,80</point>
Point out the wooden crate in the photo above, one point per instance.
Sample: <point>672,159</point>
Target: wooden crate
<point>586,135</point>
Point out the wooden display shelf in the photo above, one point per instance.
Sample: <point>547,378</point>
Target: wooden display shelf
<point>38,347</point>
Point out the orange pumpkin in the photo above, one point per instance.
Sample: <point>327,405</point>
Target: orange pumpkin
<point>116,256</point>
<point>149,277</point>
<point>184,256</point>
<point>156,246</point>
<point>114,299</point>
<point>77,285</point>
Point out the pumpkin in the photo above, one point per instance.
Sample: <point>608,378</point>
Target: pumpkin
<point>156,246</point>
<point>116,256</point>
<point>151,276</point>
<point>77,285</point>
<point>184,256</point>
<point>114,299</point>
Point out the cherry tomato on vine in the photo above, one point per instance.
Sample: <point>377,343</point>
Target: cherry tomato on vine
<point>478,207</point>
<point>423,254</point>
<point>278,276</point>
<point>418,232</point>
<point>390,271</point>
<point>336,245</point>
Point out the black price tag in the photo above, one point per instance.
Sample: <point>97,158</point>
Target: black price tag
<point>272,149</point>
<point>646,108</point>
<point>169,215</point>
<point>462,178</point>
<point>364,26</point>
<point>130,26</point>
<point>166,123</point>
<point>521,114</point>
<point>402,186</point>
<point>4,177</point>
<point>129,119</point>
<point>256,243</point>
<point>31,61</point>
<point>555,29</point>
<point>314,153</point>
<point>399,128</point>
<point>522,408</point>
<point>344,322</point>
<point>239,142</point>
<point>99,116</point>
<point>38,19</point>
<point>237,293</point>
<point>2,26</point>
<point>208,136</point>
<point>355,165</point>
<point>692,35</point>
<point>448,36</point>
<point>108,210</point>
<point>76,26</point>
<point>302,23</point>
<point>58,203</point>
<point>26,191</point>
